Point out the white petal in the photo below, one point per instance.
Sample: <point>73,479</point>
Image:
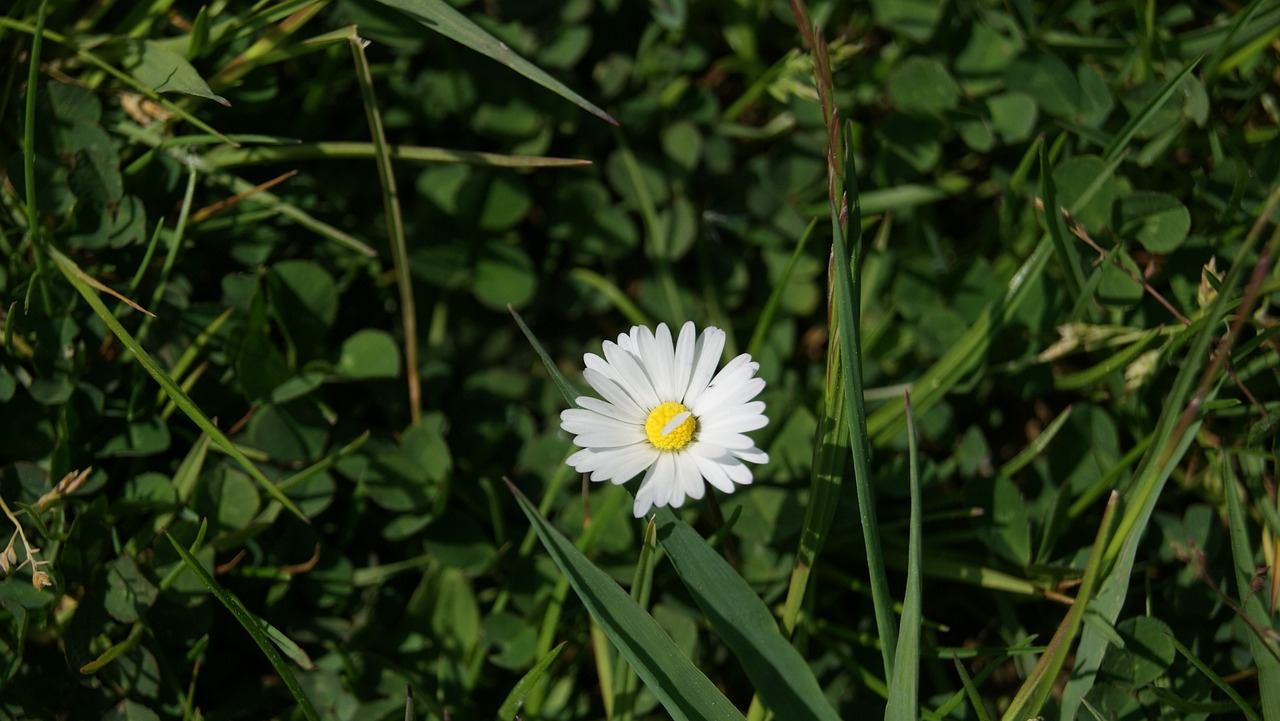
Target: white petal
<point>644,494</point>
<point>690,476</point>
<point>664,479</point>
<point>675,422</point>
<point>578,421</point>
<point>732,441</point>
<point>605,408</point>
<point>752,455</point>
<point>685,345</point>
<point>626,462</point>
<point>632,377</point>
<point>660,365</point>
<point>610,438</point>
<point>724,395</point>
<point>713,472</point>
<point>614,393</point>
<point>706,356</point>
<point>733,420</point>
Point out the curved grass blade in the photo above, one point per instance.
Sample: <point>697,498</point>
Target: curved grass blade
<point>682,689</point>
<point>904,685</point>
<point>511,706</point>
<point>440,17</point>
<point>83,283</point>
<point>252,624</point>
<point>778,673</point>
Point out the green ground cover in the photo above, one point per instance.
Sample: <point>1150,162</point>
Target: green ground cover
<point>294,293</point>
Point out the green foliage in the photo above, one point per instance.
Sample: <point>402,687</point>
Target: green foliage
<point>260,383</point>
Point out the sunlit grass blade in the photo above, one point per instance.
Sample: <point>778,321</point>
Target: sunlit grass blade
<point>778,673</point>
<point>438,16</point>
<point>536,676</point>
<point>682,689</point>
<point>224,157</point>
<point>395,227</point>
<point>1261,631</point>
<point>251,624</point>
<point>1036,688</point>
<point>904,686</point>
<point>81,282</point>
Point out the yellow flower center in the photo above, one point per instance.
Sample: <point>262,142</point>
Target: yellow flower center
<point>670,426</point>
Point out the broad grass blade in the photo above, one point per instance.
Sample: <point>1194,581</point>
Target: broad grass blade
<point>682,689</point>
<point>440,17</point>
<point>778,673</point>
<point>251,624</point>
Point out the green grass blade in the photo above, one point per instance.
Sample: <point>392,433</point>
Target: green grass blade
<point>1175,430</point>
<point>1068,258</point>
<point>775,296</point>
<point>536,676</point>
<point>84,284</point>
<point>1254,611</point>
<point>1191,657</point>
<point>625,679</point>
<point>682,689</point>
<point>225,157</point>
<point>904,686</point>
<point>395,227</point>
<point>1140,118</point>
<point>778,673</point>
<point>1036,688</point>
<point>440,17</point>
<point>251,624</point>
<point>954,365</point>
<point>971,691</point>
<point>847,258</point>
<point>613,293</point>
<point>566,388</point>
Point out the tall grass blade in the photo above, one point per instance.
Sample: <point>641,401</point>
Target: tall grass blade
<point>251,624</point>
<point>682,689</point>
<point>904,686</point>
<point>440,17</point>
<point>566,388</point>
<point>395,227</point>
<point>83,283</point>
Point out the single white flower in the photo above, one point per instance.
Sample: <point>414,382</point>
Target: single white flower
<point>664,414</point>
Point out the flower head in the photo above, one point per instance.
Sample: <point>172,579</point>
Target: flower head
<point>663,413</point>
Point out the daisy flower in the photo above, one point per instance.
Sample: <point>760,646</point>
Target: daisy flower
<point>663,413</point>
